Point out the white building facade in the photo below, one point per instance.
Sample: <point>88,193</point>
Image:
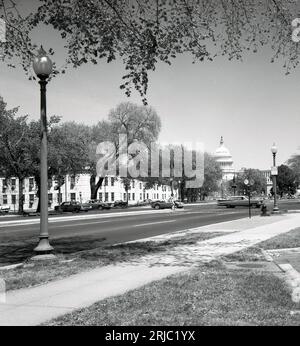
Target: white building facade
<point>78,189</point>
<point>224,158</point>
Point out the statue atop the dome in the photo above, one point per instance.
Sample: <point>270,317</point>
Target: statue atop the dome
<point>222,140</point>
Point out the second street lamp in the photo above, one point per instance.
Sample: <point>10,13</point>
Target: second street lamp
<point>42,66</point>
<point>274,175</point>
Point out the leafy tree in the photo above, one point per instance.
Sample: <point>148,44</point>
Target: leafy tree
<point>143,33</point>
<point>139,123</point>
<point>212,176</point>
<point>15,159</point>
<point>67,150</point>
<point>253,175</point>
<point>20,148</point>
<point>286,180</point>
<point>294,164</point>
<point>127,185</point>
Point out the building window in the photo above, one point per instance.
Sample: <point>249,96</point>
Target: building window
<point>133,184</point>
<point>133,196</point>
<point>13,184</point>
<point>124,196</point>
<point>141,196</point>
<point>31,184</point>
<point>59,198</point>
<point>129,197</point>
<point>73,197</point>
<point>101,196</point>
<point>73,182</point>
<point>4,185</point>
<point>106,196</point>
<point>112,196</point>
<point>141,186</point>
<point>147,195</point>
<point>50,199</point>
<point>112,181</point>
<point>31,200</point>
<point>106,181</point>
<point>13,199</point>
<point>4,199</point>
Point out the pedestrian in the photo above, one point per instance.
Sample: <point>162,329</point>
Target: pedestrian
<point>173,202</point>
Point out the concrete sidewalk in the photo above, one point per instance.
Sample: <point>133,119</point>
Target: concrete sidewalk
<point>36,305</point>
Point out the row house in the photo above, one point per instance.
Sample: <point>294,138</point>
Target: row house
<point>77,188</point>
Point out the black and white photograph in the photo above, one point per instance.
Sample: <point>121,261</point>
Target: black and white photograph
<point>150,166</point>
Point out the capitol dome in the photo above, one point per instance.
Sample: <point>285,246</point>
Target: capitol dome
<point>224,157</point>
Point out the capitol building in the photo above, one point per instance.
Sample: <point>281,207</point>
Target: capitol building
<point>224,158</point>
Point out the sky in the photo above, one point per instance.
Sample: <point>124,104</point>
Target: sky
<point>252,104</point>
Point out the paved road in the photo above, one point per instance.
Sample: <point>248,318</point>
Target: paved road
<point>68,236</point>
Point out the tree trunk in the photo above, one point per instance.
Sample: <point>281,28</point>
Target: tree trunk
<point>21,196</point>
<point>182,192</point>
<point>38,208</point>
<point>95,187</point>
<point>38,183</point>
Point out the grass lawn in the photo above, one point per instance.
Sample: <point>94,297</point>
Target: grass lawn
<point>31,273</point>
<point>254,253</point>
<point>209,295</point>
<point>283,241</point>
<point>250,254</point>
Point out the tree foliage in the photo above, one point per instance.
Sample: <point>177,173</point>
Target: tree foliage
<point>20,148</point>
<point>139,123</point>
<point>294,164</point>
<point>257,179</point>
<point>15,158</point>
<point>286,180</point>
<point>212,176</point>
<point>144,33</point>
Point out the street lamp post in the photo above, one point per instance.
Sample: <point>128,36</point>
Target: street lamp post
<point>249,183</point>
<point>42,66</point>
<point>274,175</point>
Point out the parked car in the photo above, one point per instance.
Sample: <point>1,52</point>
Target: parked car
<point>4,209</point>
<point>120,204</point>
<point>142,203</point>
<point>74,207</point>
<point>240,201</point>
<point>85,206</point>
<point>166,204</point>
<point>179,204</point>
<point>97,204</point>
